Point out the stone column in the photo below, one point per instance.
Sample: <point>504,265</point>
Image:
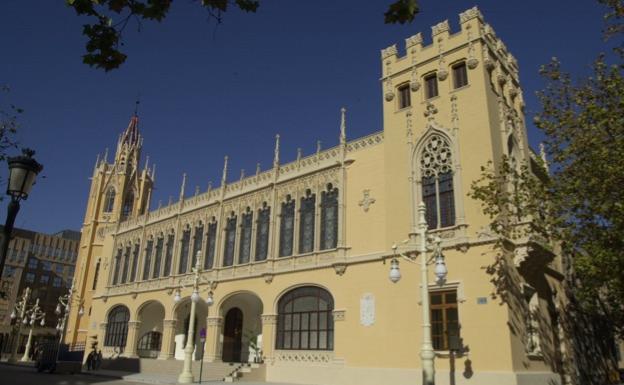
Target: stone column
<point>133,338</point>
<point>167,346</point>
<point>269,325</point>
<point>213,339</point>
<point>339,328</point>
<point>102,335</point>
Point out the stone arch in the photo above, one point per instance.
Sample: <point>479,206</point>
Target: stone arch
<point>241,312</point>
<point>117,318</point>
<point>150,315</point>
<point>181,313</point>
<point>293,287</point>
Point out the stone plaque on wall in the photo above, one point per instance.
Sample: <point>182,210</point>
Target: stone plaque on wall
<point>367,309</point>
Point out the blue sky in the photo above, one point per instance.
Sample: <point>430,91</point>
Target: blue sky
<point>211,90</point>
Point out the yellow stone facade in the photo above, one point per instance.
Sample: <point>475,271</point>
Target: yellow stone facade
<point>377,324</point>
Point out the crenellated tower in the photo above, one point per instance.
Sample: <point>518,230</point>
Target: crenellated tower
<point>120,190</point>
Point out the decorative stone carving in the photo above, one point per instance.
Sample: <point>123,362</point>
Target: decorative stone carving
<point>470,14</point>
<point>442,26</point>
<point>339,315</point>
<point>340,268</point>
<point>269,319</point>
<point>169,323</point>
<point>430,111</point>
<point>389,51</point>
<point>214,321</point>
<point>436,157</point>
<point>268,278</point>
<point>366,201</point>
<point>297,356</point>
<point>367,309</point>
<point>413,40</point>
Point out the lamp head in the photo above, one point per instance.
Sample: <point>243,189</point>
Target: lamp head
<point>395,273</point>
<point>80,311</point>
<point>209,299</point>
<point>195,296</point>
<point>57,311</point>
<point>177,297</point>
<point>22,172</point>
<point>440,269</point>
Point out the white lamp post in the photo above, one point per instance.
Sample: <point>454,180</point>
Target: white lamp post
<point>64,307</point>
<point>186,377</point>
<point>35,314</point>
<point>19,315</point>
<point>426,351</point>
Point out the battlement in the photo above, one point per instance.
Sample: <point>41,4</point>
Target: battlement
<point>475,36</point>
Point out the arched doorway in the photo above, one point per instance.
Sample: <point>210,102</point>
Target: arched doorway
<point>182,314</point>
<point>233,335</point>
<point>151,316</point>
<point>242,327</point>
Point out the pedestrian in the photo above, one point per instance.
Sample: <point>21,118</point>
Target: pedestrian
<point>98,359</point>
<point>90,360</point>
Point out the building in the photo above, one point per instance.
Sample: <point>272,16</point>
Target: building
<point>45,263</point>
<point>296,257</point>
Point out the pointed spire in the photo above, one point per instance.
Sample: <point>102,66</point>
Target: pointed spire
<point>224,175</point>
<point>318,147</point>
<point>154,173</point>
<point>131,135</point>
<point>147,162</point>
<point>97,162</point>
<point>343,126</point>
<point>276,153</point>
<point>257,168</point>
<point>170,200</point>
<point>159,203</point>
<point>106,155</point>
<point>299,154</point>
<point>183,187</point>
<point>242,174</point>
<point>209,186</point>
<point>196,190</point>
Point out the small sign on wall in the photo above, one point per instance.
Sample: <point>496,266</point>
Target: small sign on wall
<point>481,300</point>
<point>367,309</point>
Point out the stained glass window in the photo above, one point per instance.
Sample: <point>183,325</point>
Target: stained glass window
<point>245,240</point>
<point>184,251</point>
<point>147,262</point>
<point>230,241</point>
<point>211,245</point>
<point>158,257</point>
<point>437,182</point>
<point>329,218</point>
<point>287,226</point>
<point>306,224</point>
<point>262,232</point>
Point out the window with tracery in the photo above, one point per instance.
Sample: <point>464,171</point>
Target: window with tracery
<point>262,232</point>
<point>184,250</point>
<point>211,245</point>
<point>245,237</point>
<point>150,341</point>
<point>109,200</point>
<point>128,205</point>
<point>158,257</point>
<point>117,266</point>
<point>147,262</point>
<point>329,218</point>
<point>436,166</point>
<point>135,262</point>
<point>306,224</point>
<point>117,327</point>
<point>168,255</point>
<point>305,320</point>
<point>287,225</point>
<point>230,241</point>
<point>197,243</point>
<point>126,265</point>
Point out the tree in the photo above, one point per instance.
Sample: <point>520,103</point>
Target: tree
<point>8,123</point>
<point>112,17</point>
<point>580,205</point>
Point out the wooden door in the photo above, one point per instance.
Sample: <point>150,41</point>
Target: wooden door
<point>233,335</point>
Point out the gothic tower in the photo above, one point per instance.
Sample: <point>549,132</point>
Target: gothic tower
<point>120,191</point>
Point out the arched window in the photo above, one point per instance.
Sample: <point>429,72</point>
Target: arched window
<point>126,265</point>
<point>329,218</point>
<point>128,204</point>
<point>168,255</point>
<point>117,266</point>
<point>184,250</point>
<point>211,244</point>
<point>230,240</point>
<point>117,327</point>
<point>158,257</point>
<point>147,262</point>
<point>305,320</point>
<point>149,344</point>
<point>245,237</point>
<point>197,243</point>
<point>109,200</point>
<point>306,225</point>
<point>436,166</point>
<point>262,232</point>
<point>135,262</point>
<point>287,225</point>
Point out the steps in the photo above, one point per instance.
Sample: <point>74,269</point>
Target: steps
<point>247,372</point>
<point>212,371</point>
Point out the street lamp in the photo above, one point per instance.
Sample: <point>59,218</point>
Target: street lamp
<point>19,316</point>
<point>22,172</point>
<point>63,307</point>
<point>35,314</point>
<point>186,377</point>
<point>426,351</point>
